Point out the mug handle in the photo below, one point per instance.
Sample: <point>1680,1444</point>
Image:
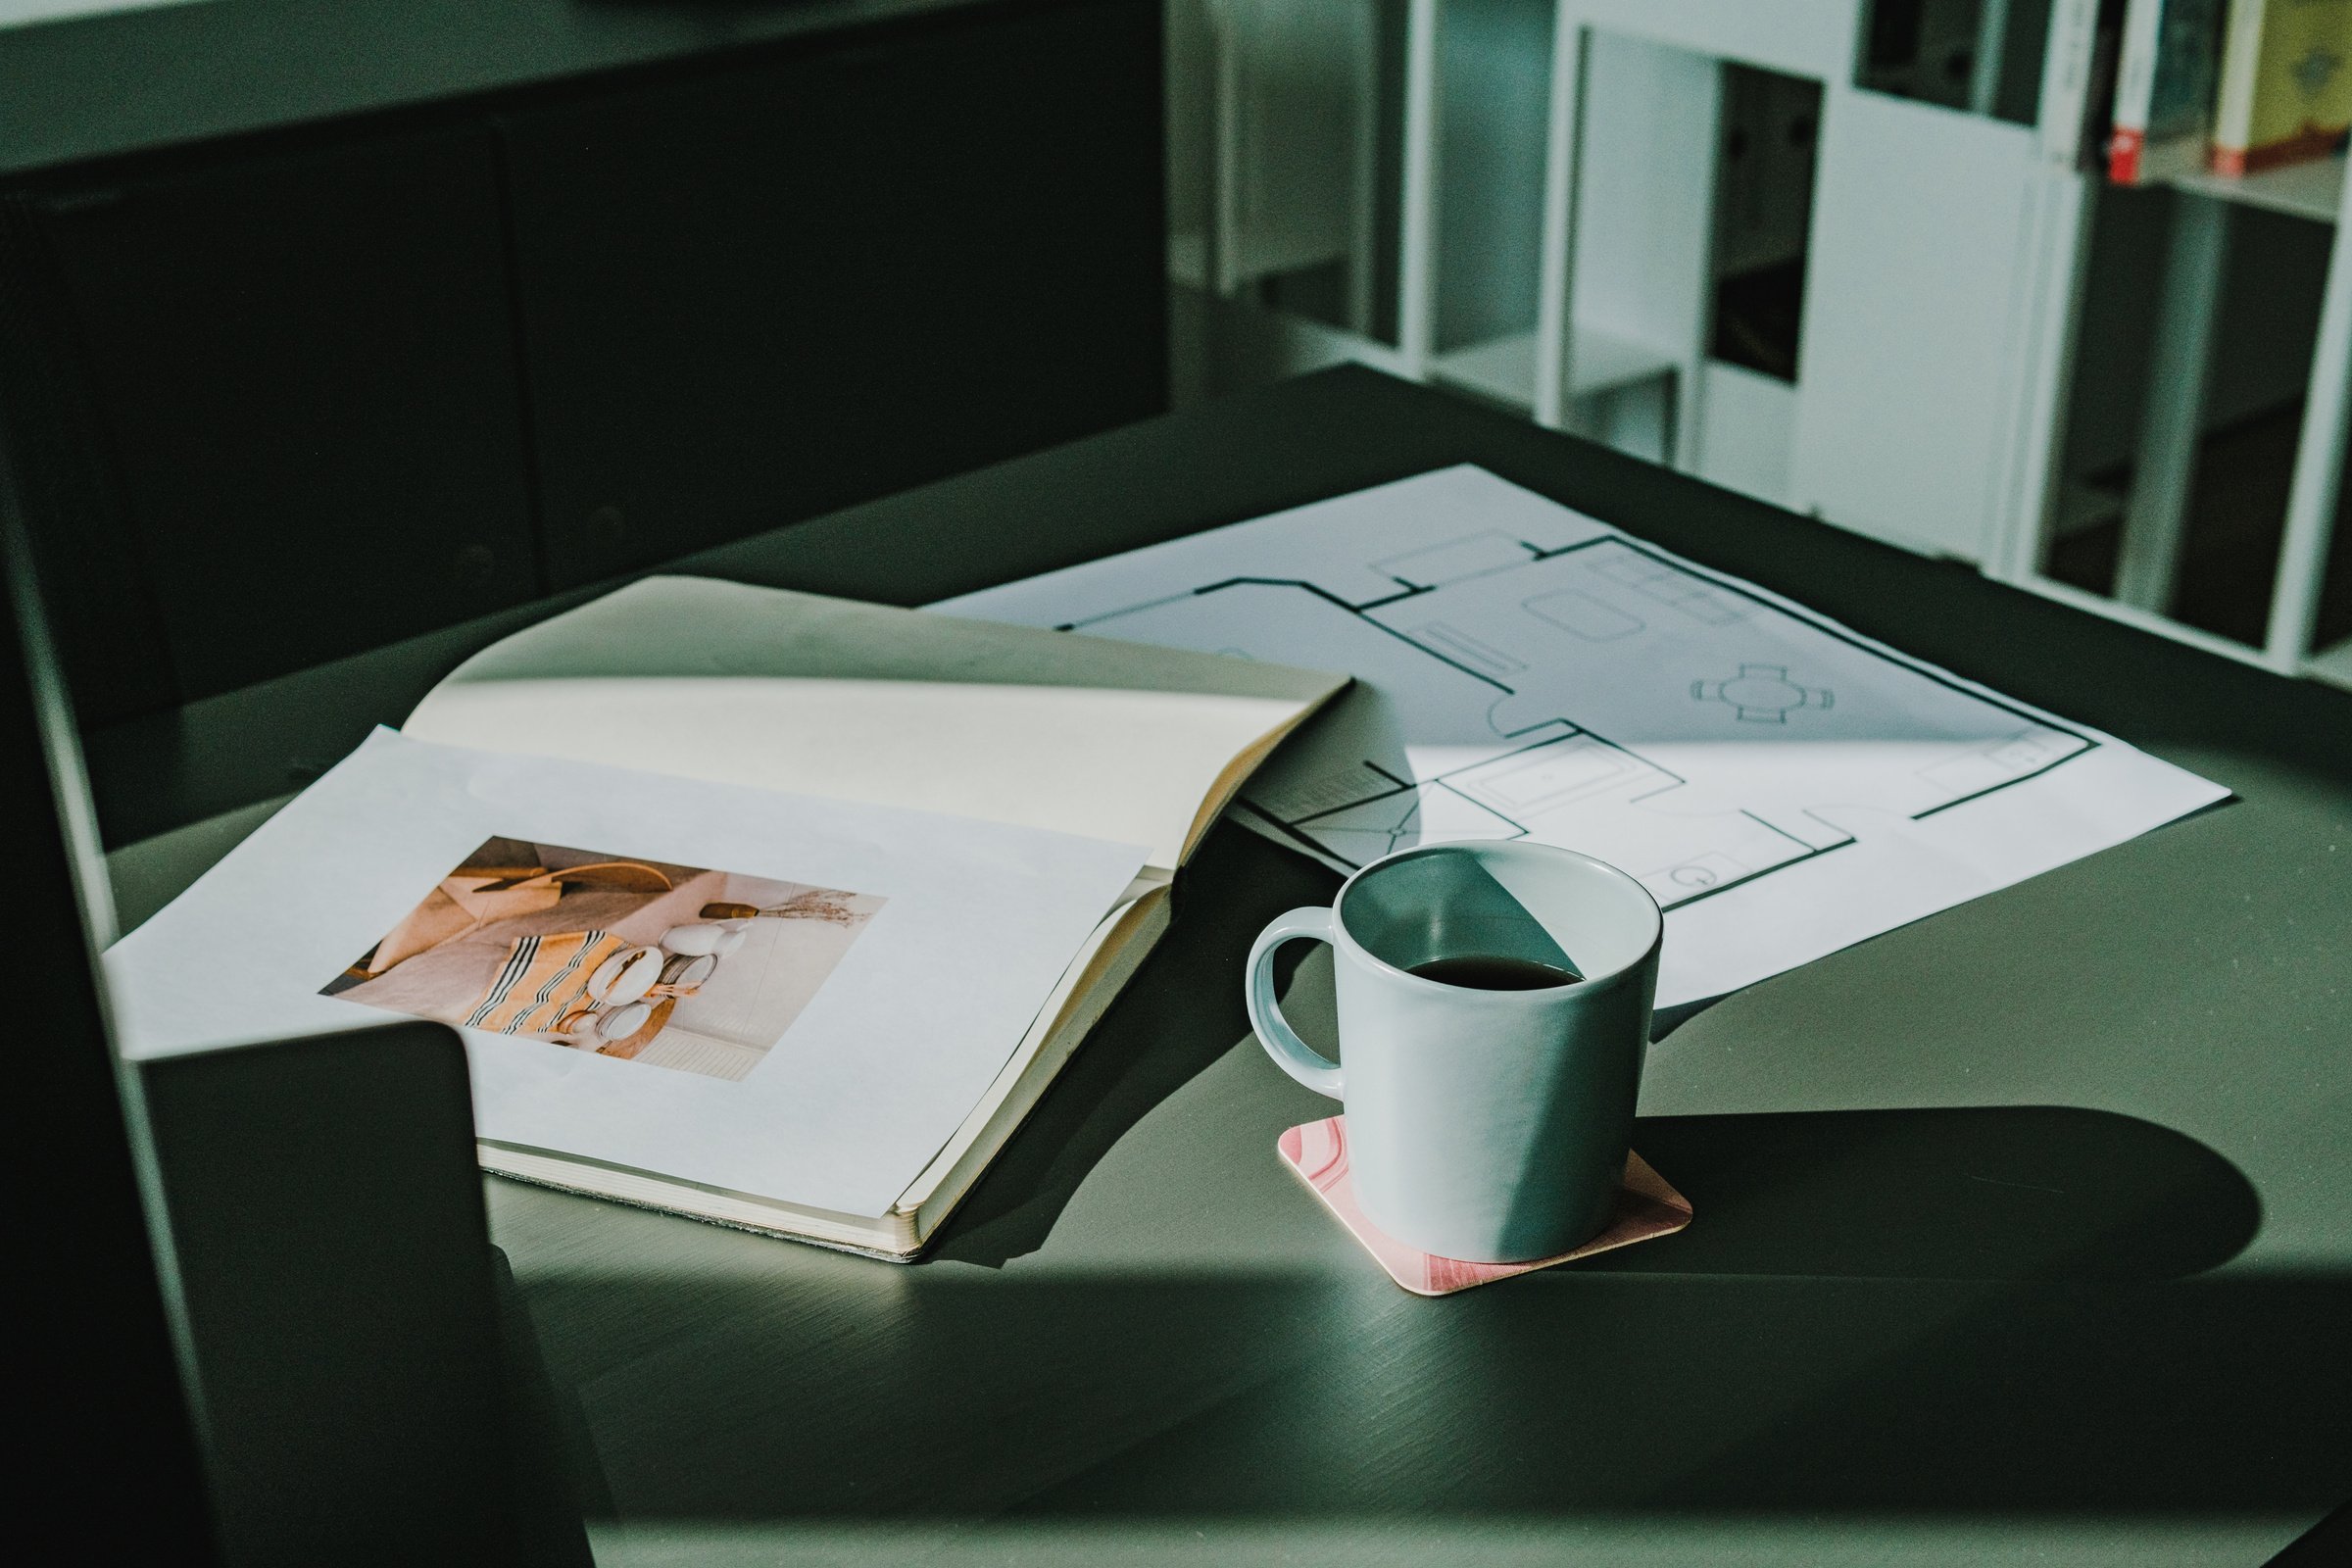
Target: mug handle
<point>1291,1053</point>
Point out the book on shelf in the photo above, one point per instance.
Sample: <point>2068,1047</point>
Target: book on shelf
<point>2077,87</point>
<point>2169,63</point>
<point>2285,90</point>
<point>773,909</point>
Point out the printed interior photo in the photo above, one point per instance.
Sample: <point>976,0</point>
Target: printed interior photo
<point>670,966</point>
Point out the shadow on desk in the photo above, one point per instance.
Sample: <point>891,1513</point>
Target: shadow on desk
<point>1970,1192</point>
<point>1991,1311</point>
<point>947,1396</point>
<point>1975,1193</point>
<point>1181,1012</point>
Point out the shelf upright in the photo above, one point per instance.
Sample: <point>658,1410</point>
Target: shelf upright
<point>1555,311</point>
<point>1417,248</point>
<point>1365,173</point>
<point>2319,478</point>
<point>1625,226</point>
<point>1223,269</point>
<point>2171,421</point>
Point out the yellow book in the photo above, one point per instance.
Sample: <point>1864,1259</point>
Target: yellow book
<point>2286,83</point>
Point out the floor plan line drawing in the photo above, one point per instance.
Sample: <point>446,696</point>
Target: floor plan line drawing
<point>1700,881</point>
<point>1831,629</point>
<point>1468,646</point>
<point>1666,563</point>
<point>1481,545</point>
<point>1822,625</point>
<point>1326,596</point>
<point>1496,611</point>
<point>1783,785</point>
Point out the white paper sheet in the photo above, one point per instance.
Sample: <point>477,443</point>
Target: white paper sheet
<point>901,1035</point>
<point>1783,786</point>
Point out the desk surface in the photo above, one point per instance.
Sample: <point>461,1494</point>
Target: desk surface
<point>2024,1232</point>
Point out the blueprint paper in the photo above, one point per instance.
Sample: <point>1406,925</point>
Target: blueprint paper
<point>1785,787</point>
<point>976,922</point>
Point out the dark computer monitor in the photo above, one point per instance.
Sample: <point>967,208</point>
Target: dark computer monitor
<point>97,1323</point>
<point>259,1294</point>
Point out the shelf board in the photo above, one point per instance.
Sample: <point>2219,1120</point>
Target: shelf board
<point>2081,505</point>
<point>1188,260</point>
<point>2331,664</point>
<point>2313,190</point>
<point>1504,367</point>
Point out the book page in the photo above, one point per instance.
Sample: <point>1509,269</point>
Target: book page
<point>719,681</point>
<point>798,998</point>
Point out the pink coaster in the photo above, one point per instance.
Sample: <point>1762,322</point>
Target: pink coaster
<point>1645,1208</point>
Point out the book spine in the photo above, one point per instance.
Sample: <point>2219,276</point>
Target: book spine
<point>2134,91</point>
<point>2067,79</point>
<point>2188,73</point>
<point>2301,100</point>
<point>2234,106</point>
<point>2312,142</point>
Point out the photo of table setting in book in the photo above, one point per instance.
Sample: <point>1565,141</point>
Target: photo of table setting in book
<point>620,958</point>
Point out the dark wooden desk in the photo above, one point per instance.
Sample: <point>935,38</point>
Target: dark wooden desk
<point>2025,1232</point>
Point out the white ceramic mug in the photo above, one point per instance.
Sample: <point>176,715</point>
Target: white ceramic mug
<point>1485,1125</point>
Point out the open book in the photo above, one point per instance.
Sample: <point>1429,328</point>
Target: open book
<point>829,892</point>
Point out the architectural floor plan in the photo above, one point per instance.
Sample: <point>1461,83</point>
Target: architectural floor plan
<point>1776,782</point>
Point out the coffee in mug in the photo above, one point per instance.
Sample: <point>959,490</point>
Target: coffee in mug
<point>1489,972</point>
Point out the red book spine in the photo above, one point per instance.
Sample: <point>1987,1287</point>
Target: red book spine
<point>2123,148</point>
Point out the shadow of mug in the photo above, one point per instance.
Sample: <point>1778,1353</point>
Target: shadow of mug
<point>1973,1193</point>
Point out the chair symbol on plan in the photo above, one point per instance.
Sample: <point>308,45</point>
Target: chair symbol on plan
<point>1763,693</point>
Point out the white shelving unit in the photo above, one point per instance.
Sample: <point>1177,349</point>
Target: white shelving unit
<point>2319,481</point>
<point>2180,378</point>
<point>1239,220</point>
<point>1505,368</point>
<point>1523,200</point>
<point>2334,664</point>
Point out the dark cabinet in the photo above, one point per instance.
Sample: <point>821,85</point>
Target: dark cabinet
<point>339,384</point>
<point>760,293</point>
<point>302,379</point>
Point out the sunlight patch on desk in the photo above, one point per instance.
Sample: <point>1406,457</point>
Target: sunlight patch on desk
<point>1604,1540</point>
